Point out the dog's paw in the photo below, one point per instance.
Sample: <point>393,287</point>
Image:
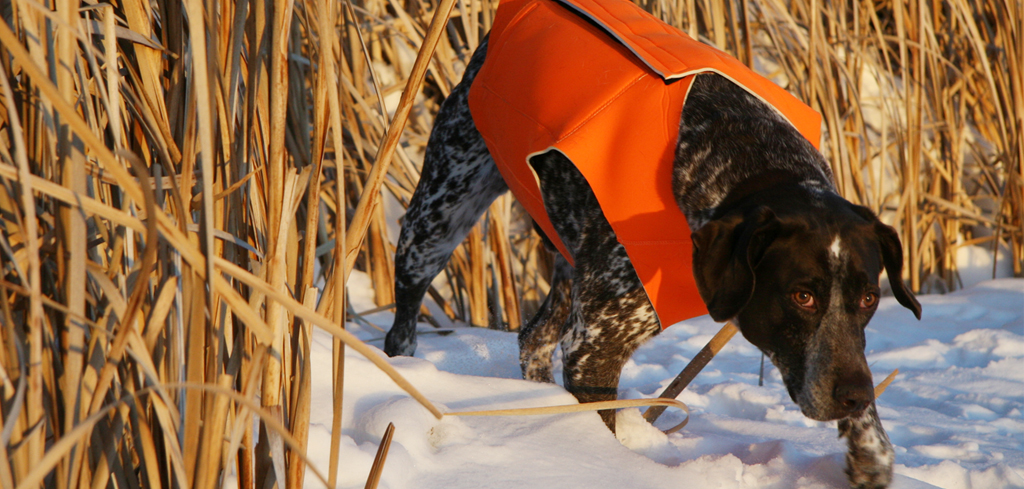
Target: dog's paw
<point>868,474</point>
<point>397,343</point>
<point>870,457</point>
<point>537,372</point>
<point>535,361</point>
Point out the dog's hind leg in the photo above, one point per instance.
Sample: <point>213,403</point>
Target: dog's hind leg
<point>459,181</point>
<point>539,337</point>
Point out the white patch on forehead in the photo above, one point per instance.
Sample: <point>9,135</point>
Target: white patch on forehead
<point>837,247</point>
<point>837,263</point>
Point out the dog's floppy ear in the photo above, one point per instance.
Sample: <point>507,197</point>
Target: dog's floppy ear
<point>725,253</point>
<point>892,258</point>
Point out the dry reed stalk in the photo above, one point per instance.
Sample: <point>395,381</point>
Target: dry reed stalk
<point>337,347</point>
<point>338,273</point>
<point>27,221</point>
<point>370,196</point>
<point>380,263</point>
<point>476,288</point>
<point>301,393</point>
<point>278,178</point>
<point>382,455</point>
<point>327,17</point>
<point>502,258</point>
<point>921,103</point>
<point>76,229</point>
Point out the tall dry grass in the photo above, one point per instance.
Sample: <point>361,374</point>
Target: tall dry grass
<point>187,184</point>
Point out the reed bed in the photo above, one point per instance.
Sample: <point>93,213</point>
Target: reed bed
<point>186,186</point>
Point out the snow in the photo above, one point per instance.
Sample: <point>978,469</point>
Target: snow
<point>955,413</point>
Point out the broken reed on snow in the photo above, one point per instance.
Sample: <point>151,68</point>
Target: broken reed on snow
<point>152,154</point>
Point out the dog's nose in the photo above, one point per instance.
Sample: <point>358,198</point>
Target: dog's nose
<point>853,397</point>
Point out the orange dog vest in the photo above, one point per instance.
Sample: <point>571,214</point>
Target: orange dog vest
<point>610,98</point>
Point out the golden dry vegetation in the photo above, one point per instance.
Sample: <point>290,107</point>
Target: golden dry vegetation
<point>184,184</point>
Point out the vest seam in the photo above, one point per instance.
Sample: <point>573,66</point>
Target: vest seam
<point>600,109</point>
<point>511,107</point>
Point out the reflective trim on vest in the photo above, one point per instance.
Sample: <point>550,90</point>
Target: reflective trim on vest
<point>612,105</point>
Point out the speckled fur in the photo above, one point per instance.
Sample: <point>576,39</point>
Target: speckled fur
<point>539,336</point>
<point>459,181</point>
<point>609,314</point>
<point>870,456</point>
<point>760,203</point>
<point>721,125</point>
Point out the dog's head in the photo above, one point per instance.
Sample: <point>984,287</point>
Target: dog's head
<point>801,282</point>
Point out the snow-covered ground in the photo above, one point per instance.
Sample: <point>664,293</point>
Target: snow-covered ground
<point>955,413</point>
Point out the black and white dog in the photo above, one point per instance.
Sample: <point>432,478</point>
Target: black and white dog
<point>776,250</point>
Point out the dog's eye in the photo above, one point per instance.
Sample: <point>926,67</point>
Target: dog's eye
<point>804,299</point>
<point>869,300</point>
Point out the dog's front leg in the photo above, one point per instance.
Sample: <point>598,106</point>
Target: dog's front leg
<point>610,317</point>
<point>870,456</point>
<point>590,372</point>
<point>610,314</point>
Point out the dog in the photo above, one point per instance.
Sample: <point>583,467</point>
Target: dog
<point>776,250</point>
